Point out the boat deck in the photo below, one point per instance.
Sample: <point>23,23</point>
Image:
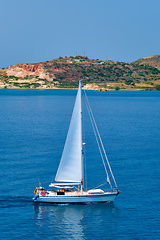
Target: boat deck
<point>74,197</point>
<point>74,193</point>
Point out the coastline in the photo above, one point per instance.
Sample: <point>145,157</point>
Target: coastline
<point>101,87</point>
<point>106,90</point>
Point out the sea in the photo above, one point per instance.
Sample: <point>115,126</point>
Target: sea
<point>33,129</point>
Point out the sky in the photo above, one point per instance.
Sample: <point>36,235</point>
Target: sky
<point>39,30</point>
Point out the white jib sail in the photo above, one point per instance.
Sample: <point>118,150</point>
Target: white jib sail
<point>70,167</point>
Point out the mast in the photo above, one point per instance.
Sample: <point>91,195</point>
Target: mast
<point>80,88</point>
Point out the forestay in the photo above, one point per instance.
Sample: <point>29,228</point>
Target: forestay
<point>70,167</point>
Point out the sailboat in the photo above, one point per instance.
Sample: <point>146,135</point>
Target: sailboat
<point>68,186</point>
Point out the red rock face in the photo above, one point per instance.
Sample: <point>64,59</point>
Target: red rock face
<point>30,68</point>
<point>23,70</point>
<point>35,69</point>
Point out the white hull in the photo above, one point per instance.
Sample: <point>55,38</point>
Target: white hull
<point>80,198</point>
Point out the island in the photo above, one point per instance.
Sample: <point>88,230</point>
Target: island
<point>100,75</point>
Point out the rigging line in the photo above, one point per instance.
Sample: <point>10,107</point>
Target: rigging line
<point>101,185</point>
<point>101,143</point>
<point>108,180</point>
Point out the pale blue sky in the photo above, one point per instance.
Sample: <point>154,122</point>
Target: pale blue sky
<point>39,30</point>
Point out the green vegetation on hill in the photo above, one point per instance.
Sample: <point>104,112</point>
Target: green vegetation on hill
<point>153,61</point>
<point>66,72</point>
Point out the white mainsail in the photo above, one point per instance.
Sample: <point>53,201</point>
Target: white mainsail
<point>70,167</point>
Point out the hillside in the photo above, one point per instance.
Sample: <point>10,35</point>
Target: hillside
<point>96,74</point>
<point>153,61</point>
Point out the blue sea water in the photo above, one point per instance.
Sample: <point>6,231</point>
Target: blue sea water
<point>33,128</point>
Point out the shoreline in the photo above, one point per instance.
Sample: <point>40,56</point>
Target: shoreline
<point>107,90</point>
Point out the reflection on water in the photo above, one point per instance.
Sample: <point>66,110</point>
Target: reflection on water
<point>65,219</point>
<point>75,221</point>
